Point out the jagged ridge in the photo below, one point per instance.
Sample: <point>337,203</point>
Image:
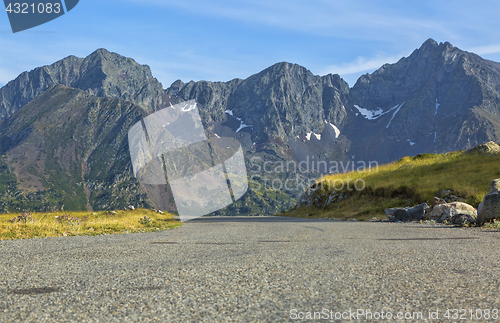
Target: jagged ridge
<point>436,100</point>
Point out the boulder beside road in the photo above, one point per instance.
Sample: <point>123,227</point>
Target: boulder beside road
<point>489,209</point>
<point>415,213</point>
<point>447,212</point>
<point>440,211</point>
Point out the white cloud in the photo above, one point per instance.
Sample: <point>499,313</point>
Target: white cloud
<point>360,20</point>
<point>352,70</point>
<point>361,64</point>
<point>485,50</point>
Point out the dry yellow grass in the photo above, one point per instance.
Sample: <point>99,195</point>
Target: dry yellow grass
<point>54,224</point>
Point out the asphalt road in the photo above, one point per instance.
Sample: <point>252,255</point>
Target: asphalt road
<point>260,269</point>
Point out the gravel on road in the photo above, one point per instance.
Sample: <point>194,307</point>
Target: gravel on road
<point>253,269</point>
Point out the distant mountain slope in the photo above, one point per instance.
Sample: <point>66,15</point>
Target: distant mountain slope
<point>438,99</point>
<point>285,110</point>
<point>67,148</point>
<point>63,127</point>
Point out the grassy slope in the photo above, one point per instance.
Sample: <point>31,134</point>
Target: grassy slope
<point>407,182</point>
<point>84,223</point>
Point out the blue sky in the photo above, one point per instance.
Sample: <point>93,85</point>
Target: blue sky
<point>220,40</point>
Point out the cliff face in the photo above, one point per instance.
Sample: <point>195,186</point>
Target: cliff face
<point>63,127</point>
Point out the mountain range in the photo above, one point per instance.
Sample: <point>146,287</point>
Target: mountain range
<point>63,127</point>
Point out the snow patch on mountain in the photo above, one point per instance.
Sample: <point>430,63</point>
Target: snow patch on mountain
<point>308,135</point>
<point>397,107</point>
<point>411,142</point>
<point>337,131</point>
<point>369,114</point>
<point>374,114</point>
<point>242,124</point>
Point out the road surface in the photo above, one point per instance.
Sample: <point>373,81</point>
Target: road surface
<point>257,269</point>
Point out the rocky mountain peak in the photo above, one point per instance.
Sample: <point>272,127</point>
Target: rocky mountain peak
<point>440,98</point>
<point>107,74</point>
<point>102,73</point>
<point>103,52</point>
<point>285,66</point>
<point>175,87</point>
<point>429,45</point>
<point>431,51</point>
<point>113,63</point>
<point>291,80</point>
<point>295,75</point>
<point>393,84</point>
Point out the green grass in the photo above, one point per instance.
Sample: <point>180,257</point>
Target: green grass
<point>407,182</point>
<point>495,225</point>
<point>55,224</point>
